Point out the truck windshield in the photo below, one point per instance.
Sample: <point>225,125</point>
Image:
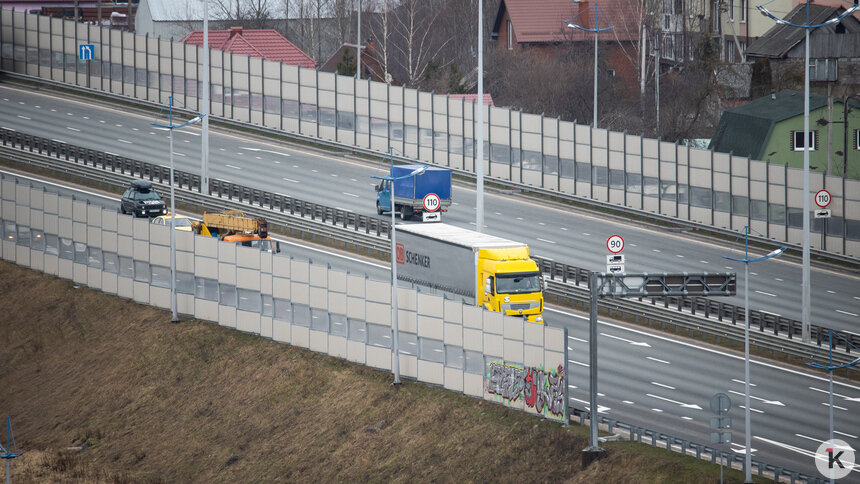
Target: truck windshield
<point>264,245</point>
<point>518,283</point>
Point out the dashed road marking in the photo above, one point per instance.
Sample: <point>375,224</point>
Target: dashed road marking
<point>350,194</point>
<point>290,180</point>
<point>766,293</point>
<point>658,360</point>
<point>233,167</point>
<point>24,117</point>
<point>547,241</point>
<point>73,129</point>
<point>662,385</point>
<point>846,312</point>
<point>124,141</point>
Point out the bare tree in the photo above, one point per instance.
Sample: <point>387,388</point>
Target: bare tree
<point>414,23</point>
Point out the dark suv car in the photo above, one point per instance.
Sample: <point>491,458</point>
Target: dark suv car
<point>141,200</point>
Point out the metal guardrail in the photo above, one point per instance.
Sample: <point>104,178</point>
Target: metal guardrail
<point>686,447</point>
<point>565,282</point>
<point>467,174</point>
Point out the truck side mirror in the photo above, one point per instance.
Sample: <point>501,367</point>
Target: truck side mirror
<point>379,187</point>
<point>488,285</point>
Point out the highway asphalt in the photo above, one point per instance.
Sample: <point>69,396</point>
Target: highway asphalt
<point>555,231</point>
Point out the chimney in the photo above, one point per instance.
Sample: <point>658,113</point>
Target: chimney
<point>235,31</point>
<point>584,15</point>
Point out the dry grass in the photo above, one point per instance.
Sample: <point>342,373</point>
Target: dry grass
<point>151,401</point>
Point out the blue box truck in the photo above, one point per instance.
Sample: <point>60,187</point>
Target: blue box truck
<point>426,195</point>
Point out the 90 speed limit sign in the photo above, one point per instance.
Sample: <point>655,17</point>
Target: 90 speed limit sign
<point>432,202</point>
<point>615,244</point>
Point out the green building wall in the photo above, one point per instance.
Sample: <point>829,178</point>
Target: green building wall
<point>780,142</point>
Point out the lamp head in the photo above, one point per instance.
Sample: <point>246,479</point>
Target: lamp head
<point>776,252</point>
<point>418,171</point>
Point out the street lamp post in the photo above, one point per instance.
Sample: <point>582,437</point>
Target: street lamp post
<point>395,344</point>
<point>596,31</point>
<point>805,284</point>
<point>746,260</point>
<point>170,126</point>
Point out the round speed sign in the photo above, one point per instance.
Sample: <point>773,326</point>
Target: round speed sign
<point>822,198</point>
<point>615,244</point>
<point>432,202</point>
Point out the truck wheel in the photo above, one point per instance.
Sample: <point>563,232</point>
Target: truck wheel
<point>378,209</point>
<point>405,212</point>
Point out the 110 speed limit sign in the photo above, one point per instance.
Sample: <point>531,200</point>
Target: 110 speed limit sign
<point>615,244</point>
<point>432,202</point>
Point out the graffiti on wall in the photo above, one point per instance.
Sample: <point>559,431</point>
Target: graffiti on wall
<point>540,389</point>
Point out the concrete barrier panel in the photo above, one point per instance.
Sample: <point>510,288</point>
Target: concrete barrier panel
<point>160,234</point>
<point>318,275</point>
<point>409,366</point>
<point>159,297</point>
<point>79,232</point>
<point>185,304</point>
<point>473,385</point>
<point>356,352</point>
<point>79,274</point>
<point>94,278</point>
<point>109,220</point>
<point>141,250</point>
<point>266,284</point>
<point>355,308</point>
<point>125,287</point>
<point>109,282</point>
<point>281,288</point>
<point>533,334</point>
<point>52,203</point>
<point>513,327</point>
<point>377,313</point>
<point>184,241</point>
<point>473,340</point>
<point>22,256</point>
<point>407,299</point>
<point>493,322</point>
<point>66,228</point>
<point>125,245</point>
<point>318,341</point>
<point>430,327</point>
<point>406,321</point>
<point>281,266</point>
<point>205,267</point>
<point>160,255</point>
<point>37,219</point>
<point>94,236</point>
<point>472,317</point>
<point>281,331</point>
<point>454,379</point>
<point>336,281</point>
<point>227,252</point>
<point>206,310</point>
<point>52,224</point>
<point>226,273</point>
<point>79,211</point>
<point>430,305</point>
<point>66,271</point>
<point>37,261</point>
<point>533,355</point>
<point>266,326</point>
<point>378,357</point>
<point>336,303</point>
<point>378,291</point>
<point>141,292</point>
<point>355,286</point>
<point>248,257</point>
<point>248,322</point>
<point>430,372</point>
<point>52,265</point>
<point>337,346</point>
<point>554,339</point>
<point>318,297</point>
<point>22,215</point>
<point>184,261</point>
<point>299,270</point>
<point>140,228</point>
<point>299,292</point>
<point>453,334</point>
<point>513,351</point>
<point>226,316</point>
<point>206,247</point>
<point>300,336</point>
<point>248,278</point>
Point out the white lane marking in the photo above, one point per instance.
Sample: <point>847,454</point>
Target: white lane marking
<point>290,180</point>
<point>834,406</point>
<point>53,110</point>
<point>786,446</point>
<point>656,250</point>
<point>600,394</point>
<point>188,132</point>
<point>578,363</point>
<point>742,382</point>
<point>703,262</point>
<point>69,114</point>
<point>277,162</point>
<point>657,360</point>
<point>586,234</point>
<point>850,399</point>
<point>686,417</point>
<point>186,141</point>
<point>753,273</point>
<point>178,154</point>
<point>221,149</point>
<point>257,157</point>
<point>353,179</point>
<point>24,117</point>
<point>547,241</point>
<point>662,385</point>
<point>633,245</point>
<point>742,449</point>
<point>240,153</point>
<point>5,98</point>
<point>563,228</point>
<point>20,102</point>
<point>100,121</point>
<point>679,256</point>
<point>151,133</point>
<point>233,167</point>
<point>858,298</point>
<point>685,405</point>
<point>135,129</point>
<point>657,410</point>
<point>498,213</point>
<point>124,141</point>
<point>768,312</point>
<point>40,107</point>
<point>519,218</point>
<point>315,171</point>
<point>846,312</point>
<point>541,223</point>
<point>263,151</point>
<point>156,127</point>
<point>334,174</point>
<point>600,409</point>
<point>705,349</point>
<point>628,402</point>
<point>634,343</point>
<point>118,125</point>
<point>809,438</point>
<point>350,194</point>
<point>728,267</point>
<point>73,129</point>
<point>763,400</point>
<point>57,140</point>
<point>578,339</point>
<point>752,409</point>
<point>831,292</point>
<point>846,435</point>
<point>766,293</point>
<point>295,166</point>
<point>778,279</point>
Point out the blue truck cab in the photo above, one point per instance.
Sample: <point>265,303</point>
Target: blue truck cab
<point>414,195</point>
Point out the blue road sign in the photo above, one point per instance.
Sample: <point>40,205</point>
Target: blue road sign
<point>87,51</point>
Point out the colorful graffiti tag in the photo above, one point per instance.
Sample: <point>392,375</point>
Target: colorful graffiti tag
<point>540,389</point>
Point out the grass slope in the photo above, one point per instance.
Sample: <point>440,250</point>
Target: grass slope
<point>101,389</point>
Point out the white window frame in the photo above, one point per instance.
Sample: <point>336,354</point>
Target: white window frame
<point>813,136</point>
<point>510,35</point>
<point>857,139</point>
<point>744,11</point>
<point>731,10</point>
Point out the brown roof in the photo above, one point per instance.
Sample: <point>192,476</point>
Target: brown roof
<point>470,98</point>
<point>780,39</point>
<point>544,21</point>
<point>268,44</point>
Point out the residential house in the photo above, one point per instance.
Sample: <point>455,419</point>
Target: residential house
<point>834,50</point>
<point>268,44</point>
<point>371,67</point>
<point>740,24</point>
<point>525,26</point>
<point>771,128</point>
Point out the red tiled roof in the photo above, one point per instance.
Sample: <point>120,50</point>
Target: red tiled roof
<point>470,98</point>
<point>544,21</point>
<point>268,44</point>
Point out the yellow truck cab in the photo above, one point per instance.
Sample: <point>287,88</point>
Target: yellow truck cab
<point>488,271</point>
<point>512,282</point>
